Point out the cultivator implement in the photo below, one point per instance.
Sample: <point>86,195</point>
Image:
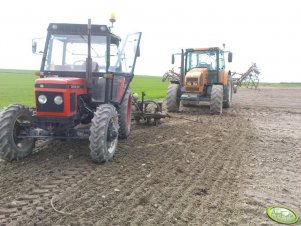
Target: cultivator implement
<point>250,78</point>
<point>147,110</point>
<point>170,75</point>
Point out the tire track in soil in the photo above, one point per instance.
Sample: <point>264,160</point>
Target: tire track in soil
<point>216,182</point>
<point>62,181</point>
<point>59,180</point>
<point>226,181</point>
<point>142,216</point>
<point>171,195</point>
<point>139,189</point>
<point>132,183</point>
<point>180,188</point>
<point>36,198</point>
<point>174,183</point>
<point>158,173</point>
<point>277,160</point>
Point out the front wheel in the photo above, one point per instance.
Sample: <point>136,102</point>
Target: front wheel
<point>13,122</point>
<point>172,99</point>
<point>216,101</point>
<point>104,133</point>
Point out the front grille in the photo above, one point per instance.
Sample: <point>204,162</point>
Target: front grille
<point>72,101</point>
<point>49,106</point>
<point>192,89</point>
<point>191,79</point>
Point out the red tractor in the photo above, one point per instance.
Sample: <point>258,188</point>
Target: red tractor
<point>82,93</point>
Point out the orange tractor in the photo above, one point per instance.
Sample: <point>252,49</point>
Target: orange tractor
<point>82,93</point>
<point>203,78</point>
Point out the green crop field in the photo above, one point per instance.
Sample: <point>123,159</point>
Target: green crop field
<point>282,84</point>
<point>17,86</point>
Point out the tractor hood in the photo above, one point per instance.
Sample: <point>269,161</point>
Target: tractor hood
<point>196,72</point>
<point>58,82</point>
<point>195,80</point>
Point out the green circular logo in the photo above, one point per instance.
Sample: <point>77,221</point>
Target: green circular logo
<point>282,214</point>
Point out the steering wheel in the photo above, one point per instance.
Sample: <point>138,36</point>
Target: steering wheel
<point>202,63</point>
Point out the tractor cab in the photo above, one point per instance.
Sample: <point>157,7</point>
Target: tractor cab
<point>66,50</point>
<point>83,63</point>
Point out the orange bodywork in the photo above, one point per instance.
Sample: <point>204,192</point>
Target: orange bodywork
<point>195,80</point>
<point>223,77</point>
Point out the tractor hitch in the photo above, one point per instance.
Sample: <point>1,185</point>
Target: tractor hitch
<point>147,110</point>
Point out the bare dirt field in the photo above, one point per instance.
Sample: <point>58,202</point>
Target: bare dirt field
<point>193,169</point>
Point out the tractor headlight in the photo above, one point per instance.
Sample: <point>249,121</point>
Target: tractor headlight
<point>42,99</point>
<point>58,100</point>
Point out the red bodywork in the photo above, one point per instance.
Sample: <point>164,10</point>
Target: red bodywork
<point>66,86</point>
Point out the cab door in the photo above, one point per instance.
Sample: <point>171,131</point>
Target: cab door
<point>124,67</point>
<point>127,54</point>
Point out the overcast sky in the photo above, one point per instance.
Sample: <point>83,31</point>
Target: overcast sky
<point>265,32</point>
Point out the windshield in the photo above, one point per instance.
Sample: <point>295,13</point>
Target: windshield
<point>69,53</point>
<point>201,59</point>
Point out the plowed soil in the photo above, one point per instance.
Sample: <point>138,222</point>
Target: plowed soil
<point>192,169</point>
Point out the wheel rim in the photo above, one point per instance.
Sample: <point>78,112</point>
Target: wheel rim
<point>112,136</point>
<point>22,144</point>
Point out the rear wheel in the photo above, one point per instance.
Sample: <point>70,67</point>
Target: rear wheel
<point>13,122</point>
<point>228,92</point>
<point>172,100</point>
<point>104,133</point>
<point>216,101</point>
<point>124,117</point>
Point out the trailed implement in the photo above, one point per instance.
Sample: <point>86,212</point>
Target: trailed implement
<point>147,110</point>
<point>250,78</point>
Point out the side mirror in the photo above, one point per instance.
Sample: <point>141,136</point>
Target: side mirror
<point>230,57</point>
<point>172,59</point>
<point>34,46</point>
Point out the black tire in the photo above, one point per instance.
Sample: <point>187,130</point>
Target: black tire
<point>11,147</point>
<point>104,133</point>
<point>124,116</point>
<point>172,100</point>
<point>228,93</point>
<point>216,101</point>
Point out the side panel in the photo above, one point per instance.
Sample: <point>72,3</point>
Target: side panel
<point>223,76</point>
<point>99,88</point>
